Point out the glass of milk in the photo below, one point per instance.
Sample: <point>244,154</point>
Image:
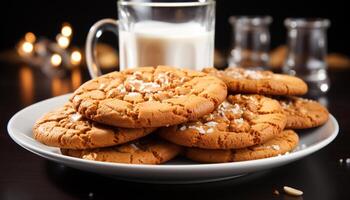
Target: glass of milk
<point>179,34</point>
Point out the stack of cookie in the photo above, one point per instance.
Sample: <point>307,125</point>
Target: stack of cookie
<point>255,121</point>
<point>111,118</point>
<point>149,115</point>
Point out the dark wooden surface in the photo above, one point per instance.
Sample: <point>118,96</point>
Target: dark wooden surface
<point>24,175</point>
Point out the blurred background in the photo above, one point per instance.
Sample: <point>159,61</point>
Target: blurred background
<point>45,18</point>
<point>22,84</point>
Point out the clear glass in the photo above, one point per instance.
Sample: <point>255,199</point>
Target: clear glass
<point>251,41</point>
<point>177,33</point>
<point>307,50</point>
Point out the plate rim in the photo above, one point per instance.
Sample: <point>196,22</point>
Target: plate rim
<point>183,167</point>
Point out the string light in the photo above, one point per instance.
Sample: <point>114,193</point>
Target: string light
<point>27,47</point>
<point>43,51</point>
<point>66,30</point>
<point>30,37</point>
<point>56,60</point>
<point>75,57</point>
<point>62,41</point>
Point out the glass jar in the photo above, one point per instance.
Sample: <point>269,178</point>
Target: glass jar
<point>251,41</point>
<point>307,50</point>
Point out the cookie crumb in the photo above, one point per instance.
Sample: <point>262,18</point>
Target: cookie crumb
<point>75,117</point>
<point>211,123</point>
<point>150,87</point>
<point>163,78</point>
<point>239,121</point>
<point>286,104</point>
<point>236,109</point>
<point>134,94</point>
<point>121,88</point>
<point>292,191</point>
<point>182,128</point>
<point>102,86</point>
<point>201,130</point>
<point>276,192</point>
<point>252,74</point>
<point>134,146</point>
<point>275,147</point>
<point>90,156</point>
<point>182,80</point>
<point>137,73</point>
<point>210,130</point>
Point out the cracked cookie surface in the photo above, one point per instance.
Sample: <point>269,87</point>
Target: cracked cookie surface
<point>65,128</point>
<point>240,121</point>
<point>142,151</point>
<point>239,80</point>
<point>149,97</point>
<point>303,113</point>
<point>283,143</point>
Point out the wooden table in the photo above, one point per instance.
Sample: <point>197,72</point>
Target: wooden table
<point>24,175</point>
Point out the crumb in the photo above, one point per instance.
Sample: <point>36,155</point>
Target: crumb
<point>292,191</point>
<point>275,147</point>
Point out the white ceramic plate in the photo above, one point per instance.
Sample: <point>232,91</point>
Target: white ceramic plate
<point>176,171</point>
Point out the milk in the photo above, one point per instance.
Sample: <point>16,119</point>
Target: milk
<point>152,43</point>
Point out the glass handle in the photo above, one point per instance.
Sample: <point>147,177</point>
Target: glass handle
<point>94,33</point>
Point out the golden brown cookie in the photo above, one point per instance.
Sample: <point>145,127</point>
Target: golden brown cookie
<point>338,61</point>
<point>241,121</point>
<point>149,97</point>
<point>239,80</point>
<point>303,113</point>
<point>143,151</point>
<point>65,128</point>
<point>283,143</point>
<point>278,56</point>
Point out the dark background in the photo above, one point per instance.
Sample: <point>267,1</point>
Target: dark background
<point>24,175</point>
<point>45,18</point>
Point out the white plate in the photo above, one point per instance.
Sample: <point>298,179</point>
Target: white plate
<point>176,171</point>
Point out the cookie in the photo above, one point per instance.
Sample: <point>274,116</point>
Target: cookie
<point>241,121</point>
<point>149,97</point>
<point>143,151</point>
<point>285,142</point>
<point>239,80</point>
<point>303,113</point>
<point>65,128</point>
